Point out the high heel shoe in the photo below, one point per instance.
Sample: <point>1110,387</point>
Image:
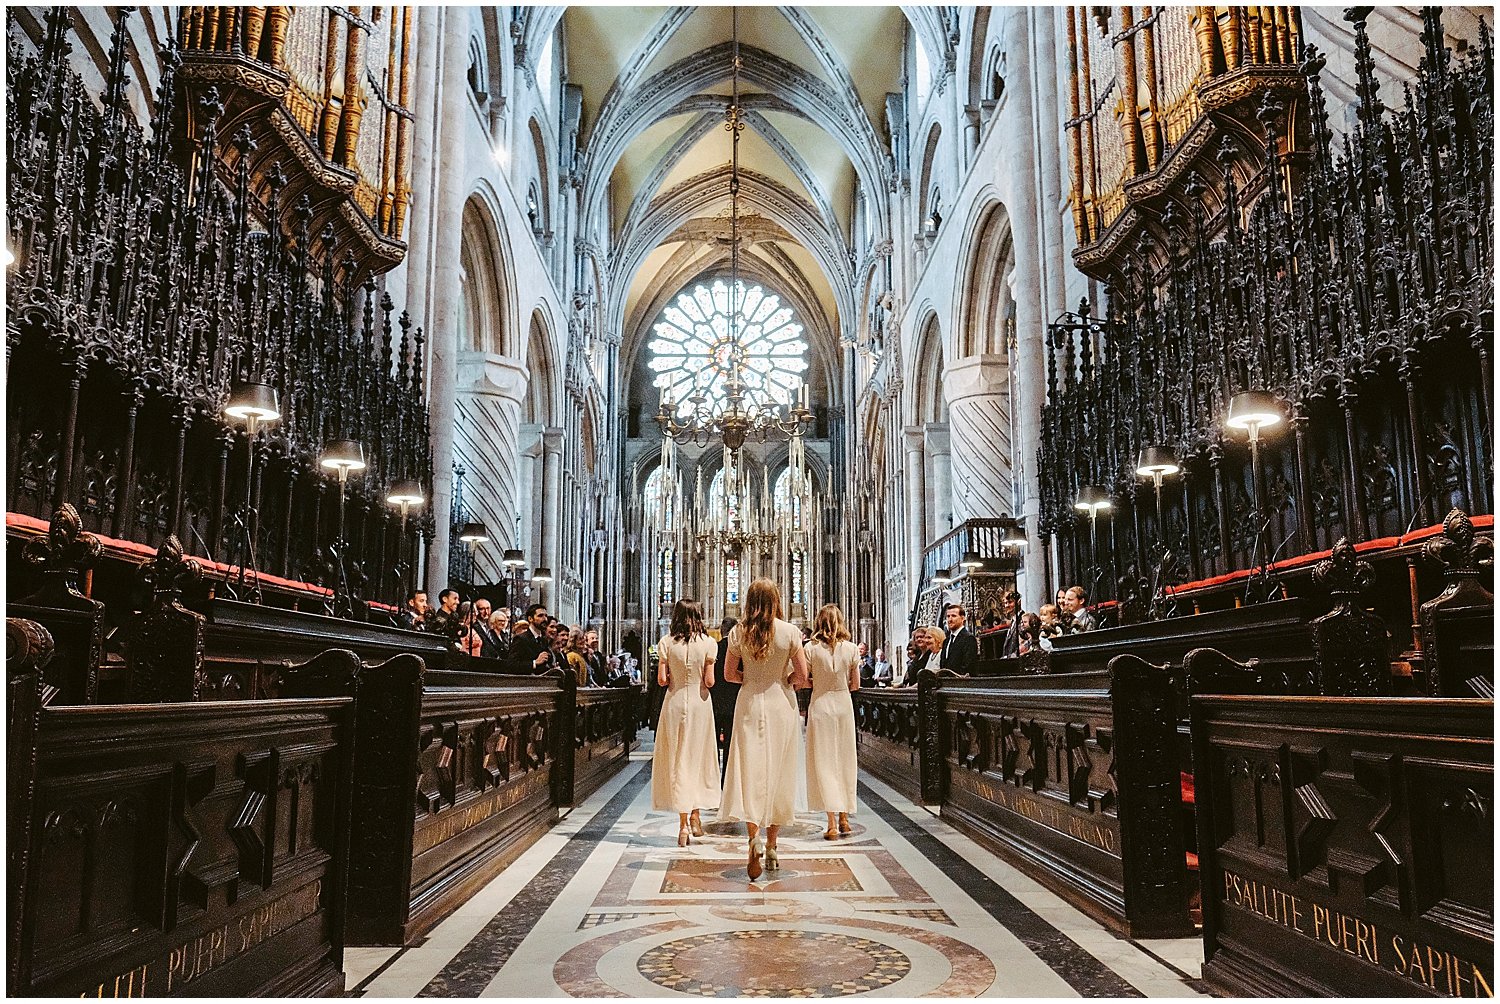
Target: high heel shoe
<point>772,862</point>
<point>696,822</point>
<point>844,827</point>
<point>752,867</point>
<point>682,836</point>
<point>832,833</point>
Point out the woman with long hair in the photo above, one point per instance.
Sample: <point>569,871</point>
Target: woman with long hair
<point>468,641</point>
<point>832,767</point>
<point>765,656</point>
<point>577,655</point>
<point>685,761</point>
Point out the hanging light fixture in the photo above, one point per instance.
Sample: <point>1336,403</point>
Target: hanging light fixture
<point>739,418</point>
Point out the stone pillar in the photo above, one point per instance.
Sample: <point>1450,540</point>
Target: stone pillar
<point>916,511</point>
<point>445,299</point>
<point>552,508</point>
<point>978,394</point>
<point>940,506</point>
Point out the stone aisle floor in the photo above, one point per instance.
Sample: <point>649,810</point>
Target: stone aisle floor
<point>607,905</point>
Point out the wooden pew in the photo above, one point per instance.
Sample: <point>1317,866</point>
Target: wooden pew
<point>1078,787</point>
<point>1346,845</point>
<point>75,622</point>
<point>204,856</point>
<point>604,728</point>
<point>888,736</point>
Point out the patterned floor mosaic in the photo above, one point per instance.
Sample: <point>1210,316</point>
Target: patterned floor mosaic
<point>607,905</point>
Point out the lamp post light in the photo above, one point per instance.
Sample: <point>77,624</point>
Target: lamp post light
<point>405,495</point>
<point>1157,463</point>
<point>513,561</point>
<point>941,577</point>
<point>1252,411</point>
<point>343,457</point>
<point>1093,500</point>
<point>1014,537</point>
<point>971,561</point>
<point>255,404</point>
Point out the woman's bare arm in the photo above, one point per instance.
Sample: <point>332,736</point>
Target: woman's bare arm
<point>854,675</point>
<point>732,672</point>
<point>800,679</point>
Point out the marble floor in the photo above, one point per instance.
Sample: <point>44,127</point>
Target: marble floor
<point>607,905</point>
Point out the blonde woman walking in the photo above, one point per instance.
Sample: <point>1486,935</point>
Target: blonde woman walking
<point>685,762</point>
<point>765,656</point>
<point>832,763</point>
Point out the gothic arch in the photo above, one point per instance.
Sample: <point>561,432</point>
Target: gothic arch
<point>987,304</point>
<point>486,282</point>
<point>541,389</point>
<point>928,186</point>
<point>927,401</point>
<point>543,222</point>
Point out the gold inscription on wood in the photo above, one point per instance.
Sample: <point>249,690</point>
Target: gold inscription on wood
<point>446,826</point>
<point>210,950</point>
<point>1438,971</point>
<point>1045,812</point>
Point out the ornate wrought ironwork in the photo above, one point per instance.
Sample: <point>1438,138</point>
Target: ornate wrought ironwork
<point>1357,287</point>
<point>144,286</point>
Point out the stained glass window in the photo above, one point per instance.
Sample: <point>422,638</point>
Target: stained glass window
<point>783,499</point>
<point>660,509</point>
<point>691,349</point>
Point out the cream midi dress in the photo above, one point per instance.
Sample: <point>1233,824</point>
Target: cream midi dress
<point>685,762</point>
<point>761,780</point>
<point>832,764</point>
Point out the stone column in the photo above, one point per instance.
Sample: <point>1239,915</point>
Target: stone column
<point>978,393</point>
<point>940,477</point>
<point>445,299</point>
<point>552,508</point>
<point>916,509</point>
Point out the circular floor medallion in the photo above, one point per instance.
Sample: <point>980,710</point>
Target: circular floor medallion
<point>773,963</point>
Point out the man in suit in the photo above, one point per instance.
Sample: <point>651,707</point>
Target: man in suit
<point>1010,607</point>
<point>490,646</point>
<point>415,612</point>
<point>1077,607</point>
<point>598,666</point>
<point>444,620</point>
<point>960,649</point>
<point>883,671</point>
<point>724,694</point>
<point>866,666</point>
<point>531,650</point>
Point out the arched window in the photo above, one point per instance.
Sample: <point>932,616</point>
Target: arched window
<point>994,79</point>
<point>715,505</point>
<point>691,351</point>
<point>661,508</point>
<point>479,71</point>
<point>786,501</point>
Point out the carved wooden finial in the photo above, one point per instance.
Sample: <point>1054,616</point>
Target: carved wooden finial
<point>1459,548</point>
<point>68,547</point>
<point>171,570</point>
<point>1342,573</point>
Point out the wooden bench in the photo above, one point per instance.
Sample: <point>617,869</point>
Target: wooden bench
<point>205,855</point>
<point>1346,845</point>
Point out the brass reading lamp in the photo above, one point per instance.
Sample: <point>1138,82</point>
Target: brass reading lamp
<point>1252,411</point>
<point>343,457</point>
<point>1158,463</point>
<point>256,405</point>
<point>406,495</point>
<point>1093,499</point>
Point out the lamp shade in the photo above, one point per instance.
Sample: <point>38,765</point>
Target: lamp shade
<point>253,402</point>
<point>1092,499</point>
<point>971,560</point>
<point>941,577</point>
<point>542,574</point>
<point>473,533</point>
<point>1253,410</point>
<point>1014,537</point>
<point>1154,461</point>
<point>513,558</point>
<point>344,455</point>
<point>406,492</point>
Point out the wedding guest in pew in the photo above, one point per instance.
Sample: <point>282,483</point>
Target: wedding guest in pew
<point>576,655</point>
<point>531,649</point>
<point>444,620</point>
<point>884,671</point>
<point>1032,637</point>
<point>414,614</point>
<point>832,762</point>
<point>1080,618</point>
<point>684,775</point>
<point>921,653</point>
<point>1010,608</point>
<point>598,667</point>
<point>489,637</point>
<point>466,638</point>
<point>1051,620</point>
<point>960,650</point>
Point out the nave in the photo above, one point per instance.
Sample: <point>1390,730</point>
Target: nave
<point>607,905</point>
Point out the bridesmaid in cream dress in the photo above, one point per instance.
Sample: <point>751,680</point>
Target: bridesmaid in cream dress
<point>765,656</point>
<point>685,761</point>
<point>832,767</point>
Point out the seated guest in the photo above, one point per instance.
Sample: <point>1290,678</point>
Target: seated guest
<point>465,638</point>
<point>883,671</point>
<point>1010,642</point>
<point>489,641</point>
<point>415,612</point>
<point>598,668</point>
<point>444,620</point>
<point>575,651</point>
<point>500,627</point>
<point>1077,607</point>
<point>530,649</point>
<point>1031,634</point>
<point>960,649</point>
<point>1051,620</point>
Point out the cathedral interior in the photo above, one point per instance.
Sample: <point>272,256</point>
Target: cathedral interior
<point>381,380</point>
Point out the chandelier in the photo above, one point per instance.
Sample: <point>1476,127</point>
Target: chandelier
<point>739,419</point>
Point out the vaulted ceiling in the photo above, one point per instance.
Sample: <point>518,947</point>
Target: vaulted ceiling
<point>655,154</point>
